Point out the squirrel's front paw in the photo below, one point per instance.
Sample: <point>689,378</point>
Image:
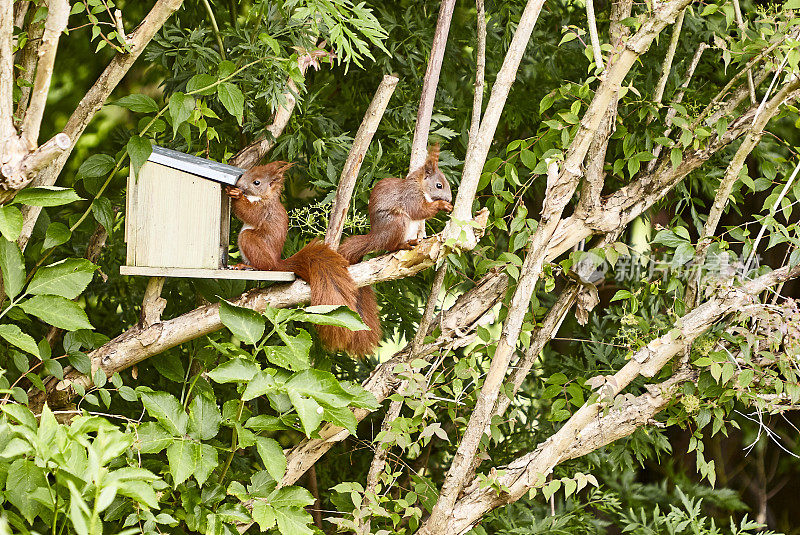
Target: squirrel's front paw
<point>242,266</point>
<point>444,205</point>
<point>234,193</point>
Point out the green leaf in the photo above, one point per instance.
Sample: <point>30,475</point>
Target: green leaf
<point>67,278</point>
<point>287,497</point>
<point>272,456</point>
<point>247,325</point>
<point>57,311</point>
<point>261,383</point>
<point>232,98</point>
<point>236,370</point>
<point>103,212</point>
<point>187,458</point>
<point>201,81</point>
<point>180,109</point>
<point>343,417</point>
<point>320,385</point>
<point>96,165</point>
<point>264,515</point>
<point>298,347</point>
<point>204,418</point>
<point>139,491</point>
<point>139,149</point>
<point>152,438</point>
<point>13,268</point>
<point>47,196</point>
<point>137,103</point>
<point>293,521</point>
<point>309,411</point>
<point>10,222</point>
<point>791,4</point>
<point>336,315</point>
<point>167,410</point>
<point>56,234</point>
<point>24,478</point>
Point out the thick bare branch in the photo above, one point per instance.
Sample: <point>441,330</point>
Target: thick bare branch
<point>473,164</point>
<point>419,145</point>
<point>347,182</point>
<point>54,26</point>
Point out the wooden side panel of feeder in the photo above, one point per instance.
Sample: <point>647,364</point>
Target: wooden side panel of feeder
<point>174,219</point>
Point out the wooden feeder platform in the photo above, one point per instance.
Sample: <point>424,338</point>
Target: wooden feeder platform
<point>196,273</point>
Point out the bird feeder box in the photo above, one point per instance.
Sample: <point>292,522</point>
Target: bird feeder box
<point>177,219</point>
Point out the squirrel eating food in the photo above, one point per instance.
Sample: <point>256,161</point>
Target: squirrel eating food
<point>398,209</point>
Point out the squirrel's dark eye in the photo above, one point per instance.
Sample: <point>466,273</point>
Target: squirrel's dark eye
<point>439,185</point>
<point>256,182</point>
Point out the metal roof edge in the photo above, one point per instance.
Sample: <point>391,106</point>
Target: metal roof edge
<point>195,165</point>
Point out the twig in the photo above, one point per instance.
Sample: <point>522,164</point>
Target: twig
<point>743,29</point>
<point>672,111</point>
<point>431,81</point>
<point>666,68</point>
<point>252,153</point>
<point>215,28</point>
<point>347,181</point>
<point>473,164</point>
<point>595,39</point>
<point>772,211</point>
<point>381,453</point>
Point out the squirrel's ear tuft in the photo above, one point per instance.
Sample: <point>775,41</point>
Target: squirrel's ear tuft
<point>432,162</point>
<point>283,166</point>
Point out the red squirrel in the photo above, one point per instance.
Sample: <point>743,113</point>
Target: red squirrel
<point>398,208</point>
<point>257,202</point>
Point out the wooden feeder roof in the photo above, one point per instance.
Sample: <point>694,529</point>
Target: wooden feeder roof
<point>209,169</point>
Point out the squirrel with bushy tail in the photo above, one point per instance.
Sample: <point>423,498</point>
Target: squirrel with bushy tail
<point>398,209</point>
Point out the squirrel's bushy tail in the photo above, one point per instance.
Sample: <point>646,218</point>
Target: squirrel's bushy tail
<point>354,248</point>
<point>325,270</point>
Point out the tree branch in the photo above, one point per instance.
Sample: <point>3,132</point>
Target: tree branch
<point>529,471</point>
<point>475,159</point>
<point>419,145</point>
<point>591,21</point>
<point>139,342</point>
<point>347,182</point>
<point>255,151</point>
<point>6,72</point>
<point>666,68</point>
<point>94,100</point>
<point>54,26</point>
